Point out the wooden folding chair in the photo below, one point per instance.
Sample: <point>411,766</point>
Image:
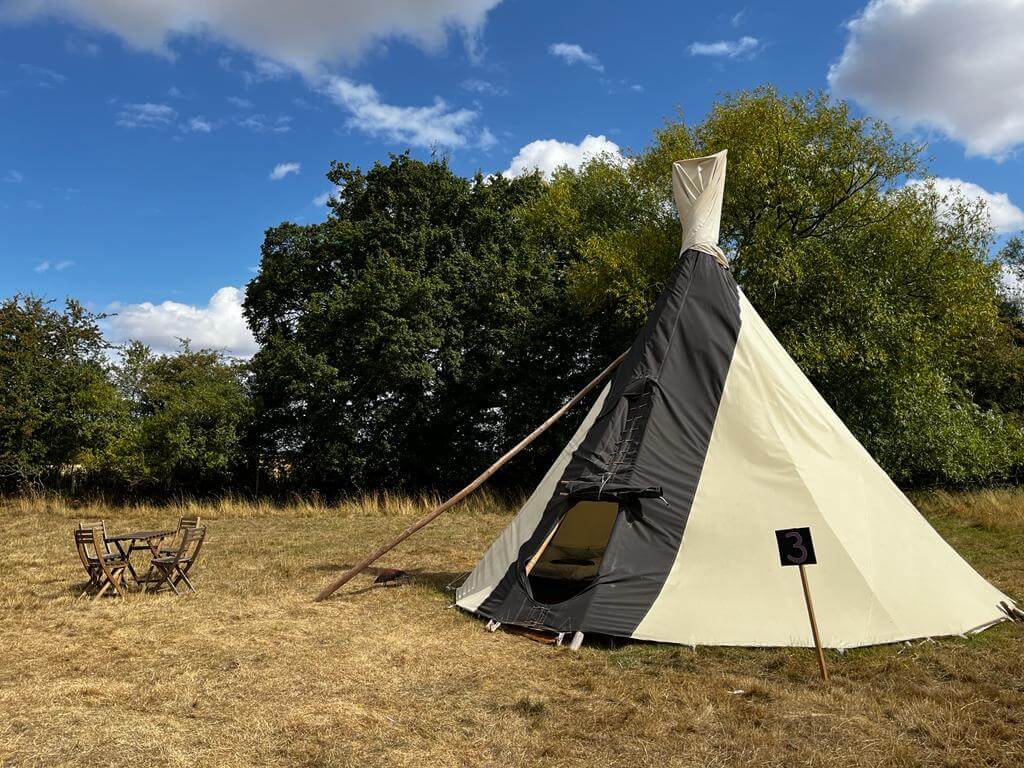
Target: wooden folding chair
<point>184,523</point>
<point>173,568</point>
<point>91,563</point>
<point>87,552</point>
<point>107,568</point>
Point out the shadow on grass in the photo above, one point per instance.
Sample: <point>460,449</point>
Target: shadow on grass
<point>443,582</point>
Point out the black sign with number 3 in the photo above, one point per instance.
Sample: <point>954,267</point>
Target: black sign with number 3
<point>795,546</point>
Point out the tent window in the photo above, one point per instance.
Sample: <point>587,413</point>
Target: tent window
<point>568,562</point>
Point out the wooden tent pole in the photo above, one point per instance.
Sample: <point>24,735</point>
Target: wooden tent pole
<point>437,511</point>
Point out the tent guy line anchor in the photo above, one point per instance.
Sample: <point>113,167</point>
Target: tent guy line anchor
<point>480,480</point>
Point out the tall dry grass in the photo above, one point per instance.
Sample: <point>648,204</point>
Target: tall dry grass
<point>375,504</point>
<point>1001,508</point>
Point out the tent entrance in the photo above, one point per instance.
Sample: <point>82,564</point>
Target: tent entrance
<point>570,558</point>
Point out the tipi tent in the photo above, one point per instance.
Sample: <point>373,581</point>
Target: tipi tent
<point>657,520</point>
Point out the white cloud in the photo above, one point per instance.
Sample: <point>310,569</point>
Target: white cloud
<point>175,92</point>
<point>737,18</point>
<point>298,33</point>
<point>1005,216</point>
<point>746,46</point>
<point>437,124</point>
<point>571,53</point>
<point>322,199</point>
<point>476,85</point>
<point>283,169</point>
<point>263,70</point>
<point>956,66</point>
<point>239,102</point>
<point>218,325</point>
<point>13,177</point>
<point>1010,281</point>
<point>46,265</point>
<point>145,115</point>
<point>80,47</point>
<point>546,155</point>
<point>486,139</point>
<point>1011,284</point>
<point>264,124</point>
<point>199,125</point>
<point>46,78</point>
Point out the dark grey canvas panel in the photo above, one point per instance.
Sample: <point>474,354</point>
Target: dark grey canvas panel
<point>645,451</point>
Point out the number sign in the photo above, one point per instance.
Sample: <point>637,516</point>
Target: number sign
<point>795,546</point>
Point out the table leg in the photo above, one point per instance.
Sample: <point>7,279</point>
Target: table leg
<point>128,558</point>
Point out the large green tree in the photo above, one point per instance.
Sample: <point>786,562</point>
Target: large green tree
<point>185,416</point>
<point>58,409</point>
<point>401,337</point>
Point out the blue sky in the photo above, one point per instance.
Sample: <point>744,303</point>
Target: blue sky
<point>138,148</point>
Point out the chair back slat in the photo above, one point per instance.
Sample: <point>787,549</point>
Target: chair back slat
<point>84,540</point>
<point>185,523</point>
<point>191,542</point>
<point>88,526</point>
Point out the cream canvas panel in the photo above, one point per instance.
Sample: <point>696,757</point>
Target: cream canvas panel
<point>505,549</point>
<point>779,457</point>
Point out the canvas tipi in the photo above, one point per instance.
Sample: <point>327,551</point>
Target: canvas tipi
<point>657,519</point>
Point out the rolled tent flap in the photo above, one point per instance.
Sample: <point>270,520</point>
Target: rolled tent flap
<point>698,186</point>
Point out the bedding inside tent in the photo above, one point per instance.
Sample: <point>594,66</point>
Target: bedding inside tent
<point>570,558</point>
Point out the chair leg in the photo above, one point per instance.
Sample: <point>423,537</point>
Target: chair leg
<point>90,584</point>
<point>183,577</point>
<point>165,575</point>
<point>106,586</point>
<point>145,584</point>
<point>117,577</point>
<point>87,587</point>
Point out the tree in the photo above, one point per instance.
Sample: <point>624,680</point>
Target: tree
<point>57,406</point>
<point>186,415</point>
<point>387,331</point>
<point>883,292</point>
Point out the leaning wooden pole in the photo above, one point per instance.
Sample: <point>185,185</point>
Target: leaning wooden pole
<point>424,521</point>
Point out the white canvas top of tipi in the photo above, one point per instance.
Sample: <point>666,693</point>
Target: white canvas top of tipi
<point>698,186</point>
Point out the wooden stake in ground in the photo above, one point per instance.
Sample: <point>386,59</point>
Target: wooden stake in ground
<point>797,548</point>
<point>814,623</point>
<point>437,511</point>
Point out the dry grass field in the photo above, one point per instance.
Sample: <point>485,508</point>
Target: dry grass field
<point>249,672</point>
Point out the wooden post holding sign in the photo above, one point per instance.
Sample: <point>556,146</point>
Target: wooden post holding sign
<point>797,548</point>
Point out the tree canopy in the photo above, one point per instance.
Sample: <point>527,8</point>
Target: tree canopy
<point>56,403</point>
<point>397,336</point>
